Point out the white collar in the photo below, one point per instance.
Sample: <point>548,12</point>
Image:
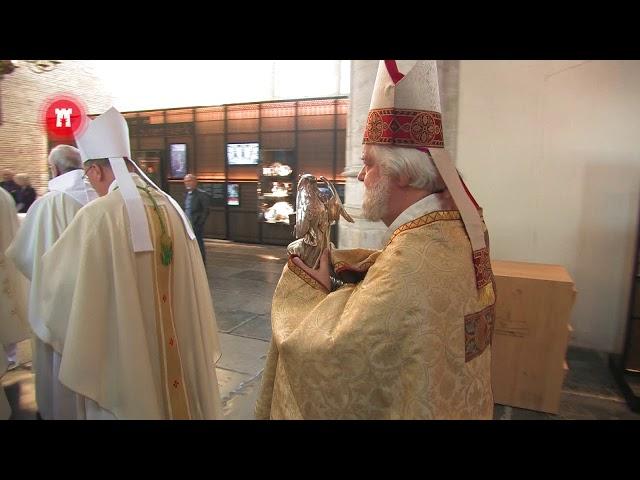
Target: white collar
<point>73,184</point>
<point>430,203</point>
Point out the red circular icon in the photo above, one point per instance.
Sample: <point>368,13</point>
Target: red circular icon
<point>64,117</point>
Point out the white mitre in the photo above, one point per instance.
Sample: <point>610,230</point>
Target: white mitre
<point>107,136</point>
<point>405,112</point>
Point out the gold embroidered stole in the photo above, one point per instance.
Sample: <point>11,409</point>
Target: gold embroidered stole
<point>172,377</point>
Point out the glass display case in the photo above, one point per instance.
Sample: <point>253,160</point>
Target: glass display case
<point>276,186</point>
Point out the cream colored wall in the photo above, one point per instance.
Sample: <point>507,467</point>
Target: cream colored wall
<point>551,150</point>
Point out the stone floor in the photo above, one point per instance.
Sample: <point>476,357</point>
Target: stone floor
<point>242,279</point>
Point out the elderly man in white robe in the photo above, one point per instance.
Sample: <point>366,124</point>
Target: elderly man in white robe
<point>45,221</point>
<point>126,297</point>
<point>13,294</point>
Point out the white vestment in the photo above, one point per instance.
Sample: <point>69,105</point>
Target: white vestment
<point>45,221</point>
<point>138,337</point>
<point>13,293</point>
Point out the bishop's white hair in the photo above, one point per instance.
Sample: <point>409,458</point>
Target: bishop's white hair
<point>417,166</point>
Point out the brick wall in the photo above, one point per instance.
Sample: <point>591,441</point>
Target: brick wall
<point>23,140</point>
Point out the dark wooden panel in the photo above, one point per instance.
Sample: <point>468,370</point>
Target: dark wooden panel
<point>277,233</point>
<point>176,190</point>
<point>151,143</point>
<point>341,122</point>
<point>182,115</point>
<point>315,153</point>
<point>211,154</point>
<point>278,123</point>
<point>278,140</point>
<point>316,122</point>
<point>243,226</point>
<point>242,137</point>
<point>341,152</point>
<point>215,226</point>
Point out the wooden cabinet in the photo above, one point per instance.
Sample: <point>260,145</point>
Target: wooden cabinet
<point>533,310</point>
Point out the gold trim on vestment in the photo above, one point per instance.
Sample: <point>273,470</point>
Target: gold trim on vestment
<point>176,402</point>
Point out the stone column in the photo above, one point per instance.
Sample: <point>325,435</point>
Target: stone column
<point>362,233</point>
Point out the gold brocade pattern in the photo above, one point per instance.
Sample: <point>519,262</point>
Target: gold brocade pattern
<point>175,394</point>
<point>353,260</point>
<point>342,266</point>
<point>390,347</point>
<point>481,259</point>
<point>426,220</point>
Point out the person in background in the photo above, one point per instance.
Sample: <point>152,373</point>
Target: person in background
<point>14,327</point>
<point>25,195</point>
<point>46,221</point>
<point>196,206</point>
<point>125,296</point>
<point>8,184</point>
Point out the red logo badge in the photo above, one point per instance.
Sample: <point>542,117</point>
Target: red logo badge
<point>64,117</point>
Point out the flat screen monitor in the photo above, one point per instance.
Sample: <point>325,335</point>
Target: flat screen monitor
<point>233,194</point>
<point>178,160</point>
<point>243,153</point>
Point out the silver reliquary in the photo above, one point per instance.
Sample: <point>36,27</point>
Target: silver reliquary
<point>316,210</point>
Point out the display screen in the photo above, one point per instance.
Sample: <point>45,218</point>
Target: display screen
<point>178,160</point>
<point>233,194</point>
<point>243,153</point>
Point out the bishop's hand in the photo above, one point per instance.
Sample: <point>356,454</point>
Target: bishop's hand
<point>321,274</point>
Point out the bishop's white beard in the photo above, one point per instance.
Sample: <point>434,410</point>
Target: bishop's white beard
<point>376,199</point>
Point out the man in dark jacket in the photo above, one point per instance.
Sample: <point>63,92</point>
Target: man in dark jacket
<point>196,206</point>
<point>8,184</point>
<point>25,195</point>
